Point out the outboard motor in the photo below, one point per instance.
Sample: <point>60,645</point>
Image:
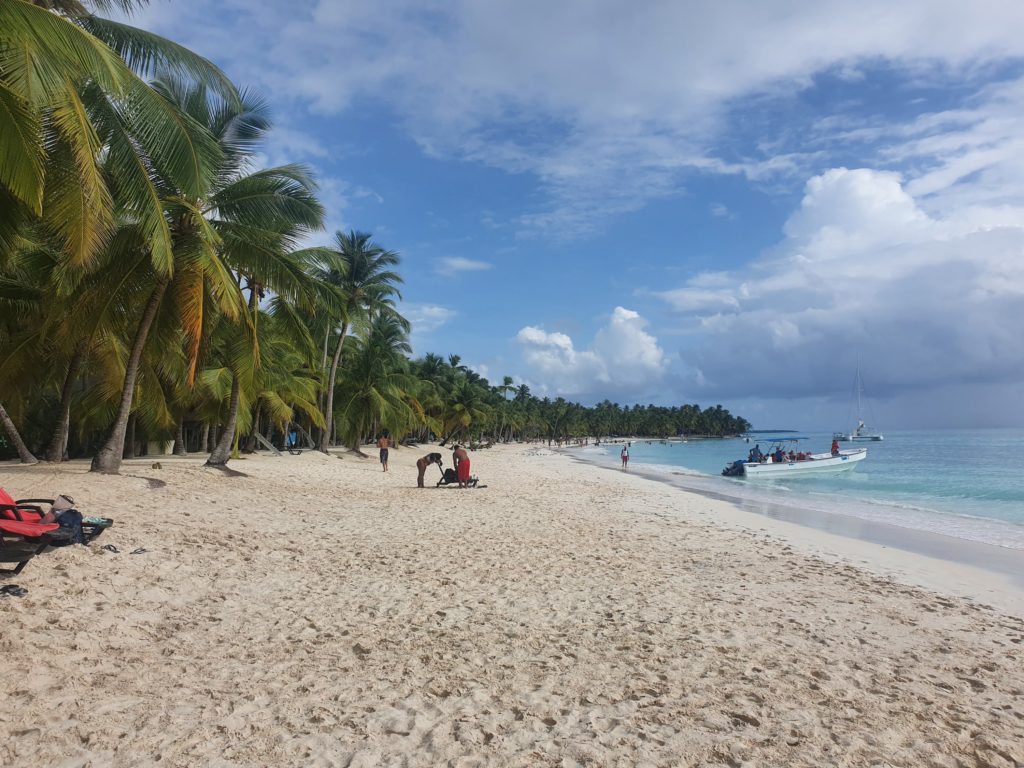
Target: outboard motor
<point>735,469</point>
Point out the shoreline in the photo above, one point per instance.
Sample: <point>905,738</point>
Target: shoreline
<point>963,567</point>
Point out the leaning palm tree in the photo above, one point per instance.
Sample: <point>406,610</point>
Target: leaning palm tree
<point>15,437</point>
<point>360,271</point>
<point>241,224</point>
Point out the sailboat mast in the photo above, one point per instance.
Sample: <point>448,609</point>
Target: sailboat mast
<point>860,389</point>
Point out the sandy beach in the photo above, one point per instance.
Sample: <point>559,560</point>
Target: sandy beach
<point>314,611</point>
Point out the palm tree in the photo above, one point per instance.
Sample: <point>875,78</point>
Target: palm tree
<point>359,270</point>
<point>465,407</point>
<point>241,224</point>
<point>374,393</point>
<point>79,124</point>
<point>12,432</point>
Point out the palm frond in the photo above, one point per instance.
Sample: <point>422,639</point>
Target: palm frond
<point>21,155</point>
<point>148,54</point>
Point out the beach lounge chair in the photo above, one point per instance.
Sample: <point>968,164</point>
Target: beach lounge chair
<point>449,477</point>
<point>20,541</point>
<point>32,511</point>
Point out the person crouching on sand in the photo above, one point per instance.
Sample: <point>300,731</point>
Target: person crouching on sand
<point>461,459</point>
<point>422,464</point>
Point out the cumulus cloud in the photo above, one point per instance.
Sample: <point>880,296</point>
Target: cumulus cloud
<point>624,360</point>
<point>926,301</point>
<point>453,265</point>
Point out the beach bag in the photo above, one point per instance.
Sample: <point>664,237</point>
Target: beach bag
<point>71,520</point>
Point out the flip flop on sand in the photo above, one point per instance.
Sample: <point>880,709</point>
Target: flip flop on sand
<point>139,551</point>
<point>110,548</point>
<point>13,590</point>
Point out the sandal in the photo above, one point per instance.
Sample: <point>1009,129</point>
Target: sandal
<point>110,548</point>
<point>13,590</point>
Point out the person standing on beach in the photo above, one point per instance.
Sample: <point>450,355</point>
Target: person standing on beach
<point>461,459</point>
<point>625,457</point>
<point>384,443</point>
<point>422,464</point>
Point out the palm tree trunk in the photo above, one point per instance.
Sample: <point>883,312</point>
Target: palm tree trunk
<point>323,371</point>
<point>179,437</point>
<point>222,452</point>
<point>204,441</point>
<point>329,411</point>
<point>59,441</point>
<point>129,448</point>
<point>108,458</point>
<point>12,433</point>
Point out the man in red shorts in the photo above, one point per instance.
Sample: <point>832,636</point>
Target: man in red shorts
<point>461,459</point>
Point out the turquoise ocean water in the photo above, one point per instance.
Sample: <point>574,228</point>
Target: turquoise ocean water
<point>966,484</point>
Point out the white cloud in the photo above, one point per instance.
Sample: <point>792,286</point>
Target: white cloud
<point>606,127</point>
<point>926,301</point>
<point>453,265</point>
<point>623,361</point>
<point>426,318</point>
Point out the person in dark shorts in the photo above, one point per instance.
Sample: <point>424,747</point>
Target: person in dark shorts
<point>384,443</point>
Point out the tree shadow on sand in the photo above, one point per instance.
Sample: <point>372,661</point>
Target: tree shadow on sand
<point>227,471</point>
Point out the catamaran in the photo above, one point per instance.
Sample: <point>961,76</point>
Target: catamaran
<point>783,460</point>
<point>861,433</point>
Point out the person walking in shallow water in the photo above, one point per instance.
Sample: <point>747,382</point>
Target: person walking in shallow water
<point>384,443</point>
<point>625,457</point>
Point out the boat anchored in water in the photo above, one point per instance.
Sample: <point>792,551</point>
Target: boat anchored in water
<point>861,433</point>
<point>780,462</point>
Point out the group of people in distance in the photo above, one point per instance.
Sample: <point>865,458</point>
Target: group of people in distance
<point>757,457</point>
<point>460,458</point>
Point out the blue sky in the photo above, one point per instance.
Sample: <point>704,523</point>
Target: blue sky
<point>663,202</point>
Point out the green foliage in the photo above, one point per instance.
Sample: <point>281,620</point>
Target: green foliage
<point>150,275</point>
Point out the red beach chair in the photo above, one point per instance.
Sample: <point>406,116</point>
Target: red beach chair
<point>30,511</point>
<point>21,541</point>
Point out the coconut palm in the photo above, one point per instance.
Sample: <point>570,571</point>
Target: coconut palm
<point>360,271</point>
<point>242,224</point>
<point>375,391</point>
<point>81,126</point>
<point>15,437</point>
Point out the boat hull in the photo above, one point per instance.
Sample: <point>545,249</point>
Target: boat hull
<point>821,463</point>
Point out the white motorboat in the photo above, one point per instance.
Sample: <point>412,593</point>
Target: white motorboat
<point>781,463</point>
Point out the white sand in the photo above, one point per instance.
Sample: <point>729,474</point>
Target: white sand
<point>319,612</point>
